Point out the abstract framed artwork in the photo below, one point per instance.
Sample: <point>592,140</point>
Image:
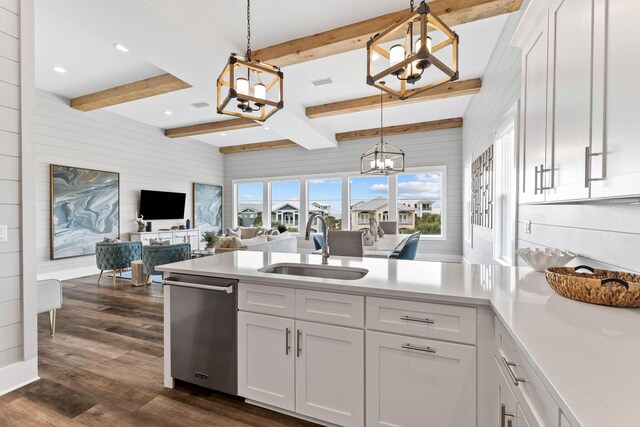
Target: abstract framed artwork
<point>207,207</point>
<point>85,208</point>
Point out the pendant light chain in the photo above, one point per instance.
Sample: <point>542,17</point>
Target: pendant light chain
<point>411,4</point>
<point>381,119</point>
<point>249,30</point>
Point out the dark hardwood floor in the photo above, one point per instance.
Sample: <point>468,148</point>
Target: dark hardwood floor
<point>104,367</point>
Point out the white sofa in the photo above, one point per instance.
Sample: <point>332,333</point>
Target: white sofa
<point>281,243</point>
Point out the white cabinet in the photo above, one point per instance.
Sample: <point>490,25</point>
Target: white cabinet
<point>419,382</point>
<point>330,373</point>
<point>579,124</point>
<point>534,164</point>
<point>266,359</point>
<point>509,412</point>
<point>310,368</point>
<point>616,94</point>
<point>569,104</point>
<point>172,236</point>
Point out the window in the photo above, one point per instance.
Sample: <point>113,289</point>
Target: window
<point>325,198</point>
<point>285,205</point>
<point>249,204</point>
<point>369,199</point>
<point>505,188</point>
<point>420,202</point>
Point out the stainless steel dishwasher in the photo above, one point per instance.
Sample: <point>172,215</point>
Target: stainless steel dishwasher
<point>204,331</point>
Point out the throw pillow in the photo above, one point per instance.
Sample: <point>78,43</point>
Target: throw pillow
<point>248,232</point>
<point>253,241</point>
<point>225,242</point>
<point>233,232</point>
<point>236,242</point>
<point>108,240</point>
<point>273,232</point>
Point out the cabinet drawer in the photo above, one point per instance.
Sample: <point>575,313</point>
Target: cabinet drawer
<point>439,321</point>
<point>328,307</point>
<point>266,299</point>
<point>538,406</point>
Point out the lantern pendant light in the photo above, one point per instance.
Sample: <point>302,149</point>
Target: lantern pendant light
<point>256,86</point>
<point>382,158</point>
<point>407,61</point>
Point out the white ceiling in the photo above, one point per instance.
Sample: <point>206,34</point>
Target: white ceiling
<point>192,39</point>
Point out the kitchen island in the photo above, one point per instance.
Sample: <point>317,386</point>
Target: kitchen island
<point>525,354</point>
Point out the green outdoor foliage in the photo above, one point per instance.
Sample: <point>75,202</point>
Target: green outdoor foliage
<point>333,223</point>
<point>430,224</point>
<point>258,221</point>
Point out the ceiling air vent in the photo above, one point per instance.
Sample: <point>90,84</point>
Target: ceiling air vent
<point>322,82</point>
<point>200,104</point>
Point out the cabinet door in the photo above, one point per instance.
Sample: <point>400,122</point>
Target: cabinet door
<point>419,382</point>
<point>569,118</point>
<point>507,405</point>
<point>534,117</point>
<point>266,359</point>
<point>330,373</point>
<point>616,95</point>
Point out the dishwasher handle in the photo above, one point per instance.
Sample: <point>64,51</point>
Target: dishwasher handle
<point>227,289</point>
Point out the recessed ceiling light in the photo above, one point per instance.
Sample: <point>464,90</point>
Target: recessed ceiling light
<point>375,56</point>
<point>266,128</point>
<point>120,47</point>
<point>222,134</point>
<point>167,112</point>
<point>59,69</point>
<point>322,82</point>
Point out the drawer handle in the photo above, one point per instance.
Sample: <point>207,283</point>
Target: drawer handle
<point>418,319</point>
<point>504,414</point>
<point>408,346</point>
<point>516,381</point>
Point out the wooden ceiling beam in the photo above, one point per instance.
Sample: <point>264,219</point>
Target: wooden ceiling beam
<point>448,90</point>
<point>212,127</point>
<point>355,36</point>
<point>401,129</point>
<point>245,148</point>
<point>145,88</point>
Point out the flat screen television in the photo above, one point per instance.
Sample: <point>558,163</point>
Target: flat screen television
<point>161,205</point>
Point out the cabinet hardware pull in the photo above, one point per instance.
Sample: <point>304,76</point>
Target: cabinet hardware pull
<point>298,348</point>
<point>417,319</point>
<point>535,181</point>
<point>287,347</point>
<point>587,166</point>
<point>504,414</point>
<point>408,346</point>
<point>516,381</point>
<point>542,171</point>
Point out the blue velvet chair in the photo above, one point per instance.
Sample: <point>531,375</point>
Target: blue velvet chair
<point>409,248</point>
<point>155,255</point>
<point>318,241</point>
<point>116,257</point>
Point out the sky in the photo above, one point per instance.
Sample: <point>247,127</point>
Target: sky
<point>328,191</point>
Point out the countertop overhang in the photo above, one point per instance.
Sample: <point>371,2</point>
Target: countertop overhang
<point>587,355</point>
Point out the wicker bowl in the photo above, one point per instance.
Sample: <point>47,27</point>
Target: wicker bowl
<point>604,287</point>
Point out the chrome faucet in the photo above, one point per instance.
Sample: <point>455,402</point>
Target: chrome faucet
<point>325,233</point>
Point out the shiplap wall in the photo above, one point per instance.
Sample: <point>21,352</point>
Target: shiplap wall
<point>606,235</point>
<point>11,319</point>
<point>500,90</point>
<point>143,156</point>
<point>422,149</point>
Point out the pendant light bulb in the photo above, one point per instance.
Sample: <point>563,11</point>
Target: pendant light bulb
<point>260,91</point>
<point>242,86</point>
<point>396,55</point>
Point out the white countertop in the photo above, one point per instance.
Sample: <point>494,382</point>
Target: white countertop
<point>588,355</point>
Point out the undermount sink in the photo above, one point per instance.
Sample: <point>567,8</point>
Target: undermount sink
<point>319,271</point>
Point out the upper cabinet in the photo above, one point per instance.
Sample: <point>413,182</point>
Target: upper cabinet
<point>577,123</point>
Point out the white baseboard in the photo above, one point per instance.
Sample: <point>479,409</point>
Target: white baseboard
<point>69,274</point>
<point>291,414</point>
<point>18,375</point>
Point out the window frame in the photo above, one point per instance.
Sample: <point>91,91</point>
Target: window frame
<point>443,198</point>
<point>345,188</point>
